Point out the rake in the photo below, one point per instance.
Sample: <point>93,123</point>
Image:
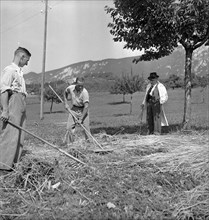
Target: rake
<point>102,149</point>
<point>46,142</point>
<point>140,118</point>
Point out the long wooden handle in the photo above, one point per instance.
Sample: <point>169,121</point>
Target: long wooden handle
<point>141,114</point>
<point>77,119</point>
<point>46,142</point>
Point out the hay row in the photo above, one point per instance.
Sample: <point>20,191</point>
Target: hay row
<point>146,176</point>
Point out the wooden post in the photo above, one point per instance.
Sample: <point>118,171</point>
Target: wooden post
<point>44,62</point>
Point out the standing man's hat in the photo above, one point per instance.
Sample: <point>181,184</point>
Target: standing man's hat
<point>153,75</point>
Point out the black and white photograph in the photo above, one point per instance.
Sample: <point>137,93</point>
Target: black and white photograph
<point>104,110</point>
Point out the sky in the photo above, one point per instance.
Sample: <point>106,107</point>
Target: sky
<point>76,31</point>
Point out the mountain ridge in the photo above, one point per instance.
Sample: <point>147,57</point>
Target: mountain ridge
<point>111,67</point>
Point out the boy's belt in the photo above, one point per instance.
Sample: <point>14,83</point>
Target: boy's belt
<point>14,92</point>
<point>78,106</point>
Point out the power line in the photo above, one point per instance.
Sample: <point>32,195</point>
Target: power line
<point>22,11</point>
<point>61,1</point>
<point>14,26</point>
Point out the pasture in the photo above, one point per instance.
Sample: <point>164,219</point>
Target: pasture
<point>108,112</point>
<point>145,177</point>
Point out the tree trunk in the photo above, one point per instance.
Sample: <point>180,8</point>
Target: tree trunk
<point>124,98</point>
<point>188,86</point>
<point>131,105</point>
<point>202,92</point>
<point>51,105</point>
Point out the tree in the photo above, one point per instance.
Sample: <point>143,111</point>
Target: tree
<point>173,81</point>
<point>158,27</point>
<point>33,88</point>
<point>59,87</point>
<point>133,83</point>
<point>203,83</point>
<point>119,87</point>
<point>128,84</point>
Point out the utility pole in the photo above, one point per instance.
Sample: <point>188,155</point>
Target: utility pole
<point>44,63</point>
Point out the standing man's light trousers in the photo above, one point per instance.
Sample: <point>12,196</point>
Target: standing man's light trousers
<point>11,138</point>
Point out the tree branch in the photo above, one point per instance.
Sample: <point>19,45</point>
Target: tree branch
<point>206,38</point>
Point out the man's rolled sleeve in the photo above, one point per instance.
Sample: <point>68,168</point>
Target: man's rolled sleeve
<point>6,80</point>
<point>85,96</point>
<point>163,94</point>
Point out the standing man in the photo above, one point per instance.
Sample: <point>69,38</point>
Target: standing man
<point>79,98</point>
<point>155,96</point>
<point>13,94</point>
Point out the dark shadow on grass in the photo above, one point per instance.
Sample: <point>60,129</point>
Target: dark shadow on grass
<point>121,130</point>
<point>172,128</point>
<point>178,127</point>
<point>142,130</point>
<point>54,112</point>
<point>118,115</point>
<point>118,103</point>
<point>200,128</point>
<point>95,123</point>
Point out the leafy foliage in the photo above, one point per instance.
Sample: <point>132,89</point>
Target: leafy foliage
<point>158,27</point>
<point>174,81</point>
<point>98,84</point>
<point>127,84</point>
<point>59,87</point>
<point>203,81</point>
<point>33,88</point>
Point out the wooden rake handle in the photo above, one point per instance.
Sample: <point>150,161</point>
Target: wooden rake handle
<point>77,119</point>
<point>46,142</point>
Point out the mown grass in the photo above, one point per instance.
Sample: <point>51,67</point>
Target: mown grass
<point>144,177</point>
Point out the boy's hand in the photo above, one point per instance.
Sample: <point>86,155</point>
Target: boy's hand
<point>80,121</point>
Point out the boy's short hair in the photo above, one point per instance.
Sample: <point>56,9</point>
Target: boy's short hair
<point>23,50</point>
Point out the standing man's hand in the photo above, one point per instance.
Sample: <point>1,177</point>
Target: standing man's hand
<point>5,106</point>
<point>4,116</point>
<point>142,106</point>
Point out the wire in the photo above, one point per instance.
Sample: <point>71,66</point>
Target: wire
<point>20,13</point>
<point>14,26</point>
<point>59,2</point>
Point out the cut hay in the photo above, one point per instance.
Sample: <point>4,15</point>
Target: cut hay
<point>188,162</point>
<point>145,177</point>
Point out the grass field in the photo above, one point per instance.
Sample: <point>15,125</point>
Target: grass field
<point>108,111</point>
<point>144,177</point>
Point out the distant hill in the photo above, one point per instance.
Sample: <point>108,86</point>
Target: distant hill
<point>107,69</point>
